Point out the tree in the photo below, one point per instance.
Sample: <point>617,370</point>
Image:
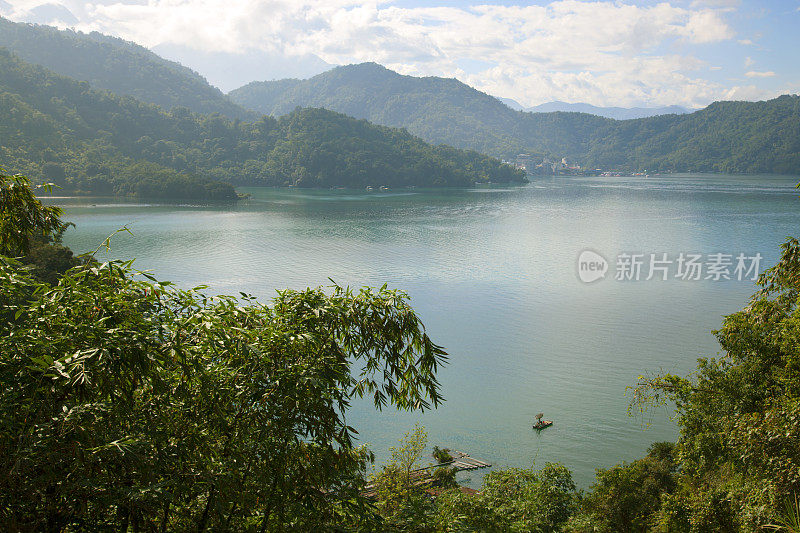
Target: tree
<point>137,405</point>
<point>23,216</point>
<point>626,498</point>
<point>31,230</point>
<point>442,455</point>
<point>739,445</point>
<point>512,500</point>
<point>400,499</point>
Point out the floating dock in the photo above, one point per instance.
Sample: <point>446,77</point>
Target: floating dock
<point>463,461</point>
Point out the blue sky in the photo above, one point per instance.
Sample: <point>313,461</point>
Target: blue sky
<point>686,52</point>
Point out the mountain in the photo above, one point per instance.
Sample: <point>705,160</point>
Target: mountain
<point>617,113</point>
<point>730,137</point>
<point>48,13</point>
<point>513,104</point>
<point>116,65</point>
<point>440,110</point>
<point>91,141</point>
<point>752,137</point>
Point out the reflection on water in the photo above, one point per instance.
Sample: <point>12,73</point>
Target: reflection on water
<point>493,274</point>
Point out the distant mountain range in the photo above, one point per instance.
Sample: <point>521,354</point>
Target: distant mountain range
<point>85,140</point>
<point>617,113</point>
<point>119,66</point>
<point>726,136</point>
<point>321,148</point>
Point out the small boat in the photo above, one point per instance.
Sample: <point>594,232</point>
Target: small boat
<point>541,424</point>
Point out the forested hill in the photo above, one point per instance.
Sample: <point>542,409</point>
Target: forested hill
<point>732,137</point>
<point>439,110</point>
<point>60,129</point>
<point>116,65</point>
<point>746,137</point>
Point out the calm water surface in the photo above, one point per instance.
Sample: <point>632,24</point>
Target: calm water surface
<point>492,272</point>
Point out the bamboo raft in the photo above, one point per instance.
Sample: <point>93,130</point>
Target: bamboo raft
<point>463,461</point>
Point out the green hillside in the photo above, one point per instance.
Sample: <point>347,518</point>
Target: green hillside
<point>740,137</point>
<point>437,109</point>
<point>733,137</point>
<point>91,141</point>
<point>116,65</point>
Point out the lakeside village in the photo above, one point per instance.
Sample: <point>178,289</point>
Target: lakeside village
<point>543,166</point>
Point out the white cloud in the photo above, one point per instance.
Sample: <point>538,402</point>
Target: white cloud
<point>749,92</point>
<point>716,3</point>
<point>602,52</point>
<point>756,74</point>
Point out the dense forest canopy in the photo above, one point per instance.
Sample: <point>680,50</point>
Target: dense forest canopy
<point>737,137</point>
<point>61,130</point>
<point>122,67</point>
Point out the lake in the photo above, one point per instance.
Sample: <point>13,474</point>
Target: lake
<point>494,275</point>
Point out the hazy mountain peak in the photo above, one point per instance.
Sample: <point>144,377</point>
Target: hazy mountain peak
<point>513,104</point>
<point>50,14</point>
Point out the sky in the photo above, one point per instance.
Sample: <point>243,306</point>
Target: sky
<point>606,53</point>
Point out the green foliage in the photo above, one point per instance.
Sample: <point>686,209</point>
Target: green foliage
<point>138,405</point>
<point>48,259</point>
<point>627,497</point>
<point>739,448</point>
<point>730,137</point>
<point>512,500</point>
<point>442,455</point>
<point>32,231</point>
<point>106,144</point>
<point>789,521</point>
<point>400,498</point>
<point>725,137</point>
<point>23,216</point>
<point>438,110</point>
<point>122,67</point>
<point>444,477</point>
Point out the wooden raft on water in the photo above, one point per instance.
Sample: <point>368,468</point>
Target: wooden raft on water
<point>463,461</point>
